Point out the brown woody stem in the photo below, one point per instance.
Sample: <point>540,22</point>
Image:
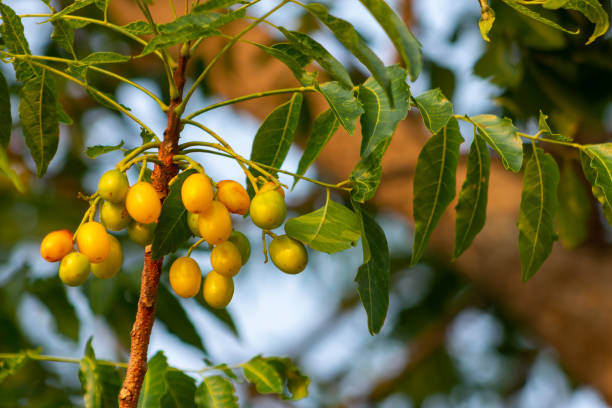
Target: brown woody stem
<point>163,172</point>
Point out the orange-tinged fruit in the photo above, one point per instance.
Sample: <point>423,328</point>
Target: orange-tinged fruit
<point>197,193</point>
<point>113,186</point>
<point>185,277</point>
<point>242,243</point>
<point>194,223</point>
<point>142,203</point>
<point>142,234</point>
<point>114,216</point>
<point>74,269</point>
<point>218,290</point>
<point>55,245</point>
<point>93,241</point>
<point>272,186</point>
<point>215,224</point>
<point>233,196</point>
<point>112,264</point>
<point>288,254</point>
<point>268,210</point>
<point>225,259</point>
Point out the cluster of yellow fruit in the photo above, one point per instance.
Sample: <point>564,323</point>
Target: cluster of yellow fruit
<point>138,208</point>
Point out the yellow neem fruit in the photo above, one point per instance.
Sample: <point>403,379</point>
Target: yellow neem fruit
<point>74,269</point>
<point>55,245</point>
<point>268,210</point>
<point>218,290</point>
<point>112,264</point>
<point>93,241</point>
<point>142,203</point>
<point>185,277</point>
<point>197,193</point>
<point>288,254</point>
<point>114,216</point>
<point>272,186</point>
<point>242,243</point>
<point>193,222</point>
<point>113,186</point>
<point>225,259</point>
<point>215,224</point>
<point>142,234</point>
<point>233,196</point>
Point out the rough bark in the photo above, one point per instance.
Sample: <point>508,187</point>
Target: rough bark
<point>567,304</point>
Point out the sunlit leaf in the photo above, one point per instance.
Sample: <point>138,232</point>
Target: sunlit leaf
<point>15,41</point>
<point>154,386</point>
<point>546,132</point>
<point>100,383</point>
<point>94,151</point>
<point>216,392</point>
<point>105,57</point>
<point>181,390</point>
<point>296,382</point>
<point>597,167</point>
<point>263,375</point>
<point>501,135</point>
<point>343,103</point>
<point>63,35</point>
<point>139,28</point>
<point>516,4</point>
<point>76,5</point>
<point>435,109</point>
<point>592,9</point>
<point>485,23</point>
<point>293,59</point>
<point>9,366</point>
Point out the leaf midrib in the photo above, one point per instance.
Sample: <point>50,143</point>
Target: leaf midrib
<point>285,127</point>
<point>540,212</point>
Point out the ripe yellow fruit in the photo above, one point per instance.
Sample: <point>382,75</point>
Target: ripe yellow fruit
<point>197,193</point>
<point>272,186</point>
<point>55,245</point>
<point>93,241</point>
<point>225,259</point>
<point>74,269</point>
<point>113,186</point>
<point>142,203</point>
<point>114,216</point>
<point>142,234</point>
<point>185,277</point>
<point>233,196</point>
<point>218,290</point>
<point>215,224</point>
<point>288,254</point>
<point>242,243</point>
<point>193,222</point>
<point>112,264</point>
<point>268,210</point>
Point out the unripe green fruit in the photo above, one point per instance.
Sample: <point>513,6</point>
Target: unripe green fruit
<point>268,210</point>
<point>142,233</point>
<point>225,259</point>
<point>112,264</point>
<point>114,216</point>
<point>74,269</point>
<point>113,186</point>
<point>242,243</point>
<point>193,222</point>
<point>288,254</point>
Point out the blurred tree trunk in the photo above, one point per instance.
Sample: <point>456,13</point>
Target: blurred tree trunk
<point>568,304</point>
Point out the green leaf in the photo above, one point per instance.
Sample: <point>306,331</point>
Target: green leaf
<point>39,121</point>
<point>434,183</point>
<point>501,135</point>
<point>346,34</point>
<point>145,135</point>
<point>172,229</point>
<point>293,59</point>
<point>597,167</point>
<point>373,275</point>
<point>171,313</point>
<point>575,210</point>
<point>297,383</point>
<point>8,172</point>
<point>263,375</point>
<point>332,228</point>
<point>472,204</point>
<point>76,5</point>
<point>154,386</point>
<point>52,293</point>
<point>139,28</point>
<point>275,135</point>
<point>94,151</point>
<point>9,366</point>
<point>62,116</point>
<point>378,125</point>
<point>317,52</point>
<point>181,390</point>
<point>190,27</point>
<point>591,9</point>
<point>105,57</point>
<point>435,109</point>
<point>221,314</point>
<point>216,392</point>
<point>515,4</point>
<point>216,4</point>
<point>95,94</point>
<point>15,41</point>
<point>6,122</point>
<point>100,383</point>
<point>485,23</point>
<point>323,128</point>
<point>405,42</point>
<point>63,35</point>
<point>546,132</point>
<point>343,103</point>
<point>536,221</point>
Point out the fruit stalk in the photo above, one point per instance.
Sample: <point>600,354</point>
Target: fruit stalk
<point>163,172</point>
